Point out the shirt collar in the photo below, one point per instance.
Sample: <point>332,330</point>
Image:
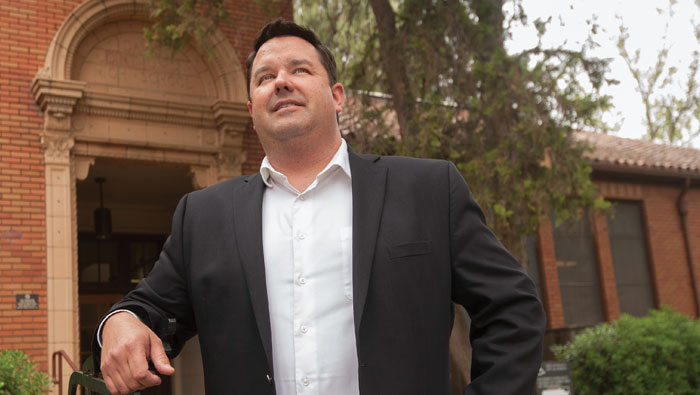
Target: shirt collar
<point>340,159</point>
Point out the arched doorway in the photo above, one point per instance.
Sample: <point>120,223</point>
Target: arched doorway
<point>109,110</point>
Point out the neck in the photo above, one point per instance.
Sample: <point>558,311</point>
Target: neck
<point>300,160</point>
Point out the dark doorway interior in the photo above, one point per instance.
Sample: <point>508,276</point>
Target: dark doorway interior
<point>141,197</point>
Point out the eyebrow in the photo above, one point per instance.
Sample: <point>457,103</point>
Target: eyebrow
<point>292,63</point>
<point>299,62</point>
<point>260,71</point>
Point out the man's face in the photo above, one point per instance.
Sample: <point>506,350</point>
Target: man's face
<point>290,93</point>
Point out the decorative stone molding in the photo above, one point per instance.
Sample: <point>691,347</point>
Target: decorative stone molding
<point>57,148</point>
<point>230,116</point>
<point>57,98</point>
<point>230,164</point>
<point>203,176</point>
<point>82,166</point>
<point>196,114</point>
<point>153,154</point>
<point>232,120</point>
<point>90,14</point>
<point>82,21</point>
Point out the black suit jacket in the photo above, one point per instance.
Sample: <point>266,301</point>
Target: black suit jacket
<point>419,243</point>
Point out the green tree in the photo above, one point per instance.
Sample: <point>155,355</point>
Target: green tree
<point>656,354</point>
<point>179,23</point>
<point>506,120</point>
<point>669,117</point>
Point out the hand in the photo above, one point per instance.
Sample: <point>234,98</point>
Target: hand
<point>127,345</point>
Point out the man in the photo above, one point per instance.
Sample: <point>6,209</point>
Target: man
<point>328,272</point>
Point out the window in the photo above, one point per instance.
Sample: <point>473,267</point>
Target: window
<point>629,254</point>
<point>578,273</point>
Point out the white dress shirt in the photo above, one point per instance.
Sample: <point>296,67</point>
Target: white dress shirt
<point>307,246</point>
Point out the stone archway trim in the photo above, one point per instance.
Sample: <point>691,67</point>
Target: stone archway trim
<point>225,66</point>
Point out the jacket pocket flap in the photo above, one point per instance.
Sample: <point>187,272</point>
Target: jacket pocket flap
<point>410,249</point>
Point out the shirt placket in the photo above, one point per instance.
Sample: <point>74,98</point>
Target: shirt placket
<point>305,348</point>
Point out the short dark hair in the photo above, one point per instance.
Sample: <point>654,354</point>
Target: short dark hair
<point>281,28</point>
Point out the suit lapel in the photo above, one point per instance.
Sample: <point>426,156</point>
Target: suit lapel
<point>368,185</point>
<point>247,207</point>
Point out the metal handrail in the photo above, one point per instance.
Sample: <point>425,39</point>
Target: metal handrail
<point>56,360</point>
<point>85,378</point>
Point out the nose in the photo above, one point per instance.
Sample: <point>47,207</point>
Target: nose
<point>283,83</point>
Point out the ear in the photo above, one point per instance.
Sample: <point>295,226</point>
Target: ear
<point>338,93</point>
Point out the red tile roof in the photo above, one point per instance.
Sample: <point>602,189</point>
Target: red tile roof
<point>640,156</point>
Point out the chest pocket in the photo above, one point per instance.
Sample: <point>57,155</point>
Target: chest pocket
<point>410,249</point>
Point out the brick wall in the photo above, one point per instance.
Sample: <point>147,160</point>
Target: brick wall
<point>26,28</point>
<point>670,269</point>
<point>693,199</point>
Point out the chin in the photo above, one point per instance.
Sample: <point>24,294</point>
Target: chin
<point>288,133</point>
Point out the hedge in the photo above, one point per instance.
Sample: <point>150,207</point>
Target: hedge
<point>656,354</point>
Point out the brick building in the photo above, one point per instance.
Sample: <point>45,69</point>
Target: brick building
<point>643,255</point>
<point>79,102</point>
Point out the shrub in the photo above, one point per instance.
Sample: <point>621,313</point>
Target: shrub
<point>19,376</point>
<point>656,354</point>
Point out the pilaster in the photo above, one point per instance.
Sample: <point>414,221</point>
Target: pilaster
<point>57,99</point>
<point>606,270</point>
<point>549,275</point>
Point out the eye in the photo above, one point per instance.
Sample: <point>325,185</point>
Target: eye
<point>301,70</point>
<point>265,78</point>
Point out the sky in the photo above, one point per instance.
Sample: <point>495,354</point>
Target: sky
<point>646,27</point>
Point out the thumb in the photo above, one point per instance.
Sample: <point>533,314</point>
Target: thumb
<point>158,357</point>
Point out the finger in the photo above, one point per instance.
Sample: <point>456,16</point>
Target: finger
<point>118,385</point>
<point>138,370</point>
<point>159,358</point>
<point>112,376</point>
<point>121,370</point>
<point>110,384</point>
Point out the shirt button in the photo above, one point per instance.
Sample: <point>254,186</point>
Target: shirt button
<point>305,381</point>
<point>302,197</point>
<point>302,280</point>
<point>303,329</point>
<point>301,235</point>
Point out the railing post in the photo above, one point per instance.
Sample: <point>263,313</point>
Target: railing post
<point>57,361</point>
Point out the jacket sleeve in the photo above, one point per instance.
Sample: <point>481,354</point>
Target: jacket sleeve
<point>164,293</point>
<point>507,318</point>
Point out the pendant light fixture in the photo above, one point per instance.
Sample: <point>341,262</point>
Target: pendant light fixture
<point>103,217</point>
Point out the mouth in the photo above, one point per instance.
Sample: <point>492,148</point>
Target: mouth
<point>282,104</point>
